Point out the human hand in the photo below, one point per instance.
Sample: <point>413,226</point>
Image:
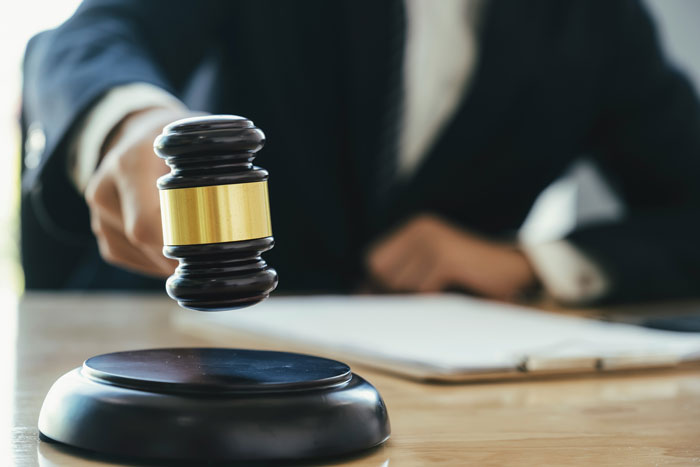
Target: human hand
<point>429,255</point>
<point>123,198</point>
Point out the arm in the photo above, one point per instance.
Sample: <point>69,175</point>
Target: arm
<point>648,141</point>
<point>85,148</point>
<point>105,44</point>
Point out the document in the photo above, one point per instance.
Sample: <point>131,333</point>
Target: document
<point>445,336</point>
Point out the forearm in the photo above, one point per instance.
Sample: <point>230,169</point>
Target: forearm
<point>92,133</point>
<point>106,44</point>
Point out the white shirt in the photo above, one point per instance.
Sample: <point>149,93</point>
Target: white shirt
<point>440,58</point>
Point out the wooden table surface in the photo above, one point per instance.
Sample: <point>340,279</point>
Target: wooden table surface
<point>646,418</point>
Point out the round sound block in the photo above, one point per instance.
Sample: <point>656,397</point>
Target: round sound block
<point>214,405</point>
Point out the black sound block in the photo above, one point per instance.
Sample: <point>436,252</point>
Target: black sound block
<point>200,404</point>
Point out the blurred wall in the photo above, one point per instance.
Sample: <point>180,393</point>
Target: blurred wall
<point>679,28</point>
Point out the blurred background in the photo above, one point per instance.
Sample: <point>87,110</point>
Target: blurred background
<point>678,27</point>
<point>17,26</point>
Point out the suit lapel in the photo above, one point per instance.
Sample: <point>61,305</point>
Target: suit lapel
<point>371,32</point>
<point>503,72</point>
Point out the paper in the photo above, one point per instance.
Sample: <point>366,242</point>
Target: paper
<point>446,335</point>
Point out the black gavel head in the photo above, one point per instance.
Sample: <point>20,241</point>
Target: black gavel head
<point>215,212</point>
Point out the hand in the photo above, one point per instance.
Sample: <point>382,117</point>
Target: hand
<point>429,255</point>
<point>123,198</point>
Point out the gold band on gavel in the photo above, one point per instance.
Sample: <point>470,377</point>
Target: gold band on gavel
<point>215,214</point>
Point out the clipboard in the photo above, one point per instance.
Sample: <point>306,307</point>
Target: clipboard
<point>444,337</point>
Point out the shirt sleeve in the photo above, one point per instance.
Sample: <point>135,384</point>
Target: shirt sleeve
<point>566,273</point>
<point>117,103</point>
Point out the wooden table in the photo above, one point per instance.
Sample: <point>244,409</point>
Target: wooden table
<point>633,419</point>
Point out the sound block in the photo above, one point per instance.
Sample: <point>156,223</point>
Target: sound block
<point>209,404</point>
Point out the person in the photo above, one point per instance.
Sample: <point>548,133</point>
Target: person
<point>407,141</point>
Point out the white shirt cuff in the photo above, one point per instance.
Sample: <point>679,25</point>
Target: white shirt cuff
<point>566,273</point>
<point>111,109</point>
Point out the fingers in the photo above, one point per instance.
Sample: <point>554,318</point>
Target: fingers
<point>125,218</point>
<point>116,249</point>
<point>386,258</point>
<point>433,280</point>
<point>429,255</point>
<point>137,170</point>
<point>416,270</point>
<point>123,197</point>
<point>140,210</point>
<point>102,197</point>
<point>408,261</point>
<point>406,273</point>
<point>419,274</point>
<point>503,272</point>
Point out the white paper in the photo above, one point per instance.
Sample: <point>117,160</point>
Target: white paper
<point>446,334</point>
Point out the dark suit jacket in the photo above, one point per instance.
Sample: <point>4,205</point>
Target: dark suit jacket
<point>555,80</point>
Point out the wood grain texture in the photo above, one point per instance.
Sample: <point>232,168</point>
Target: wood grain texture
<point>645,418</point>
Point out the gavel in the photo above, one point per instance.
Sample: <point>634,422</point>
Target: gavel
<point>215,212</point>
<point>215,404</point>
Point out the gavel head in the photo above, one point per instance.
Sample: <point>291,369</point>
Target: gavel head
<point>215,212</point>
